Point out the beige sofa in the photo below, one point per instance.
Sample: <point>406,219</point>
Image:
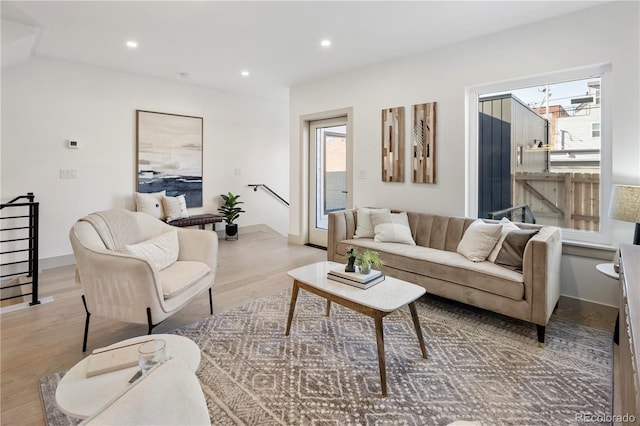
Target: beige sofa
<point>433,263</point>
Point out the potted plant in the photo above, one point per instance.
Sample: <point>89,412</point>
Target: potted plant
<point>367,259</point>
<point>230,211</point>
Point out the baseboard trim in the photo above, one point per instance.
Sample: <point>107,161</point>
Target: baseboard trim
<point>57,261</point>
<point>587,309</point>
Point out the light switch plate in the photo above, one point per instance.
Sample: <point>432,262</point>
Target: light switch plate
<point>68,173</point>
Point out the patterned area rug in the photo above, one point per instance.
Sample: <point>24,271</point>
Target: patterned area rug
<point>481,366</point>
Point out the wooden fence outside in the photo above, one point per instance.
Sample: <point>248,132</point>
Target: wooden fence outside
<point>568,200</point>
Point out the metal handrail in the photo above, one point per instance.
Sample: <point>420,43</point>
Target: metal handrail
<point>32,250</point>
<point>525,211</point>
<point>271,191</point>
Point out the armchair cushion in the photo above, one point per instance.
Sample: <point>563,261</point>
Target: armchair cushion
<point>180,276</point>
<point>160,251</point>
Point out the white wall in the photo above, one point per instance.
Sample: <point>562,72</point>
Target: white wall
<point>45,102</point>
<point>607,33</point>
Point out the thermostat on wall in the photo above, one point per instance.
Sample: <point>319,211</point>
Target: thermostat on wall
<point>72,144</point>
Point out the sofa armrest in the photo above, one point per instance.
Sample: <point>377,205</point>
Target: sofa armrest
<point>541,270</point>
<point>342,226</point>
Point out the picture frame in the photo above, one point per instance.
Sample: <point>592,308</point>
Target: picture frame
<point>423,144</point>
<point>169,154</point>
<point>393,144</point>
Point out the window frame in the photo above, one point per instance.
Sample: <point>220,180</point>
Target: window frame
<point>472,94</point>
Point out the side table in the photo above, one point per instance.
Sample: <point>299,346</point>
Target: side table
<point>608,270</point>
<point>80,396</point>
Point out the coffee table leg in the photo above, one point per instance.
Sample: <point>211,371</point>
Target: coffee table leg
<point>381,361</point>
<point>292,306</point>
<point>328,307</point>
<point>416,324</point>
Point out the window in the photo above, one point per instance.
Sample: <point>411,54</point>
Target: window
<point>537,142</point>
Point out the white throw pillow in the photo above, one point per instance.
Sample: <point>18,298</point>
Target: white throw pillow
<point>175,207</point>
<point>507,226</point>
<point>160,252</point>
<point>478,240</point>
<point>364,229</point>
<point>392,228</point>
<point>151,203</point>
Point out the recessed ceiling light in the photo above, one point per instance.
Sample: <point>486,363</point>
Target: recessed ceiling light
<point>132,44</point>
<point>325,43</point>
<point>244,73</point>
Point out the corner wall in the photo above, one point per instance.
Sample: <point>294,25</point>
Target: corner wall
<point>606,33</point>
<point>45,102</point>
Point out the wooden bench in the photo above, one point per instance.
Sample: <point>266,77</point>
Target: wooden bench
<point>200,220</point>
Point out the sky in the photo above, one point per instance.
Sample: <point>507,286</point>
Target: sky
<point>561,93</point>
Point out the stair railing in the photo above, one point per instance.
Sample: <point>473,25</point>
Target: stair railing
<point>269,190</point>
<point>525,213</point>
<point>32,218</point>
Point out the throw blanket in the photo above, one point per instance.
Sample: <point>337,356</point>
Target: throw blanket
<point>116,228</point>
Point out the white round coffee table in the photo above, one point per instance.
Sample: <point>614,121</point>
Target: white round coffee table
<point>80,396</point>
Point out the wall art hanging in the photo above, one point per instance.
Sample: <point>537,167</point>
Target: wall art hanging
<point>169,154</point>
<point>423,154</point>
<point>393,144</point>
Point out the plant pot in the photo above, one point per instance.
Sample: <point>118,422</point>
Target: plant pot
<point>365,269</point>
<point>231,232</point>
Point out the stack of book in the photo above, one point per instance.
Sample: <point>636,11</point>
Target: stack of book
<point>356,279</point>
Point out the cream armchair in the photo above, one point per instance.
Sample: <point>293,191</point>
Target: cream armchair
<point>117,266</point>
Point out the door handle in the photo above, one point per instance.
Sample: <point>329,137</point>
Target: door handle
<point>345,192</point>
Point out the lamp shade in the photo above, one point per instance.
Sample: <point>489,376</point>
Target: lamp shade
<point>625,203</point>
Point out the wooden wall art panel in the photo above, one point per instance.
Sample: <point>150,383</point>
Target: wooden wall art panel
<point>393,144</point>
<point>423,155</point>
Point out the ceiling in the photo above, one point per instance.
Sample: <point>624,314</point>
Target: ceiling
<point>208,43</point>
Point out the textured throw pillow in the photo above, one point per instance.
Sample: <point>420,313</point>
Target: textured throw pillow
<point>175,207</point>
<point>160,252</point>
<point>391,228</point>
<point>364,229</point>
<point>512,250</point>
<point>478,240</point>
<point>151,203</point>
<point>507,226</point>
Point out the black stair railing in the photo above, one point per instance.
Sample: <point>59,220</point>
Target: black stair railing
<point>10,239</point>
<point>526,215</point>
<point>269,190</point>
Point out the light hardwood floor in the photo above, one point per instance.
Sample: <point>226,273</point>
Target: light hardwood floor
<point>45,339</point>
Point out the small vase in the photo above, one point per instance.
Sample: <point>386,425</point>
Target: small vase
<point>365,269</point>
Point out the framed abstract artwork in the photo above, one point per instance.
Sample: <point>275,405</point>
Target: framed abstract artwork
<point>423,153</point>
<point>393,144</point>
<point>169,155</point>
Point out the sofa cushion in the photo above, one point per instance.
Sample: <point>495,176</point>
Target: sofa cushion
<point>160,251</point>
<point>438,232</point>
<point>364,227</point>
<point>478,240</point>
<point>510,255</point>
<point>507,226</point>
<point>444,265</point>
<point>180,276</point>
<point>391,228</point>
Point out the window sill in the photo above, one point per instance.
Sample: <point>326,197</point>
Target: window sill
<point>590,250</point>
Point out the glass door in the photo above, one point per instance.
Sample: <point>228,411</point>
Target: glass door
<point>328,175</point>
